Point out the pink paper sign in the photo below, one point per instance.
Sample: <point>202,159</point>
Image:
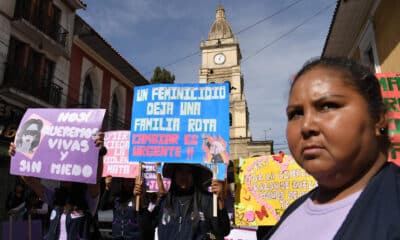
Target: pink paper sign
<point>116,161</point>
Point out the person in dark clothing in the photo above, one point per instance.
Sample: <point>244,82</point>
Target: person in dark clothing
<point>125,225</point>
<point>73,204</point>
<point>16,202</point>
<point>337,131</point>
<point>185,212</point>
<point>38,210</point>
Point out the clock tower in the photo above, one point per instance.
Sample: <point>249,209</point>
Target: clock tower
<point>220,62</point>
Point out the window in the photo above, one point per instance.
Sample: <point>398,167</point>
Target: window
<point>16,66</point>
<point>87,95</point>
<point>44,15</point>
<point>114,112</point>
<point>368,51</point>
<point>33,69</point>
<point>48,73</point>
<point>230,119</point>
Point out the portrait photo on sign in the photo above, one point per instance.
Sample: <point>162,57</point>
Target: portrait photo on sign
<point>29,135</point>
<point>215,149</point>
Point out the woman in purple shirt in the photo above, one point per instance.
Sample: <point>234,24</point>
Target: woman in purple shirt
<point>337,131</point>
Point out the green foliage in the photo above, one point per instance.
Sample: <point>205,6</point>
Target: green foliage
<point>161,75</point>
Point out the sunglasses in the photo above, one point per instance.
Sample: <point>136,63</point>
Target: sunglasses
<point>31,132</point>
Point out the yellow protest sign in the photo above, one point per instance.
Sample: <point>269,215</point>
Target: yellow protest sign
<point>266,185</point>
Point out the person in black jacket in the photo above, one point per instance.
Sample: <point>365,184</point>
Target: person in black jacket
<point>337,131</point>
<point>185,212</point>
<point>125,224</point>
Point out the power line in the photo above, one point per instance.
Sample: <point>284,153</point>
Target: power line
<point>237,33</point>
<point>268,17</point>
<point>182,58</point>
<point>287,33</point>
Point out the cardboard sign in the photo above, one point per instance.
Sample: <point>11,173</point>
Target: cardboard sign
<point>58,144</point>
<point>180,123</point>
<point>116,162</point>
<point>150,176</point>
<point>238,233</point>
<point>266,186</point>
<point>390,88</point>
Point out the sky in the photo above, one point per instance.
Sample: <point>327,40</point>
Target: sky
<point>276,37</point>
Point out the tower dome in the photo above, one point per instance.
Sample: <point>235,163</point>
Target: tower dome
<point>220,28</point>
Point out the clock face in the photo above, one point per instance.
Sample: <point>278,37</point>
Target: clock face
<point>219,58</point>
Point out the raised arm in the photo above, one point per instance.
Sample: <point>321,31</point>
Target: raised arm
<point>94,189</point>
<point>105,198</point>
<point>220,224</point>
<point>160,183</point>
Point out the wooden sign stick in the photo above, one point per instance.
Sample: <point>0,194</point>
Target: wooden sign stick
<point>29,227</point>
<point>215,196</point>
<point>139,180</point>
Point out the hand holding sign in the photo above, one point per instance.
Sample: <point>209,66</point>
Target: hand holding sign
<point>219,188</point>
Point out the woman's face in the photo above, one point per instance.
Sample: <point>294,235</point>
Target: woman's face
<point>30,134</point>
<point>184,177</point>
<point>28,138</point>
<point>330,132</point>
<point>19,191</point>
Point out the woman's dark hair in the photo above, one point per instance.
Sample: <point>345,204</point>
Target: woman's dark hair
<point>359,77</point>
<point>125,194</point>
<point>24,131</point>
<point>75,196</point>
<point>196,180</point>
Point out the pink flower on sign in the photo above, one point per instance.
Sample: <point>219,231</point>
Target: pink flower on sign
<point>250,216</point>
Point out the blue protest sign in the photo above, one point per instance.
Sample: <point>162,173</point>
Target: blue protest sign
<point>180,123</point>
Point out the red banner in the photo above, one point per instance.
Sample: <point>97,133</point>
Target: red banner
<point>390,87</point>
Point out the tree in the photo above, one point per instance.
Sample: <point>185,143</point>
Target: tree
<point>161,75</point>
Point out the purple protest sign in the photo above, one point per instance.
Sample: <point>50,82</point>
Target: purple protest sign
<point>150,176</point>
<point>58,144</point>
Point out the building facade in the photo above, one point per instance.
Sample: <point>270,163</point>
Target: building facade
<point>51,58</point>
<point>101,78</point>
<point>35,47</point>
<point>220,63</point>
<point>367,31</point>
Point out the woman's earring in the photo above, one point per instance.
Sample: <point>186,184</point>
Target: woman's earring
<point>382,130</point>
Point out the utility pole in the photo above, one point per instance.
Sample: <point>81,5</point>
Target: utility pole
<point>265,135</point>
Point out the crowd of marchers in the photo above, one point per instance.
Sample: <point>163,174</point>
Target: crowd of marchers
<point>337,131</point>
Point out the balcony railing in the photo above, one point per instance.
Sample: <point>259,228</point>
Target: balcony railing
<point>46,26</point>
<point>18,78</point>
<point>59,34</point>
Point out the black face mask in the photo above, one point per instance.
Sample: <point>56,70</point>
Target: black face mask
<point>125,195</point>
<point>61,196</point>
<point>181,192</point>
